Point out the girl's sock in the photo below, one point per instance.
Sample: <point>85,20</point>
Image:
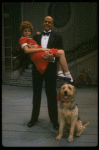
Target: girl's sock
<point>60,74</point>
<point>68,75</point>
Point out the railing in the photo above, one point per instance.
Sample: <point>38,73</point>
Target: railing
<point>88,62</point>
<point>82,49</point>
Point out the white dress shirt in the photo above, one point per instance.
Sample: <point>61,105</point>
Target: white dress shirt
<point>44,42</point>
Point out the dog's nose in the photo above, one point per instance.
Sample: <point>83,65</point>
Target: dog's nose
<point>65,92</point>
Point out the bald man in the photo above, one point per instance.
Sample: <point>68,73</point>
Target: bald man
<point>47,39</point>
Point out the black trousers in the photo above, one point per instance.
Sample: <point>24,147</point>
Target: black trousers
<point>51,93</point>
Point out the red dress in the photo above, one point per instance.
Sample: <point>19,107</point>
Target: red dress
<point>40,62</point>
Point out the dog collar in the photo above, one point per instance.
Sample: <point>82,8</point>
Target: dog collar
<point>59,99</point>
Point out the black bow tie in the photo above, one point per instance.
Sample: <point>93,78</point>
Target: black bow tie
<point>46,33</point>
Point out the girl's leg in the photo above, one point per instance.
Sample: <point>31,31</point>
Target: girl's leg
<point>60,71</point>
<point>59,67</point>
<point>63,62</point>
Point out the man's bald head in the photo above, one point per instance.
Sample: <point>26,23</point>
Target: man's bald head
<point>49,17</point>
<point>48,23</point>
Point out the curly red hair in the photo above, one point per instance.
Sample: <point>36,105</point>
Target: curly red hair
<point>24,25</point>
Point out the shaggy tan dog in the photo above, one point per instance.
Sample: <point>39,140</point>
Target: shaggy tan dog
<point>68,112</point>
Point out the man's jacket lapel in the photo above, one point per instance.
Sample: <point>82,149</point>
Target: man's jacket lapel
<point>51,40</point>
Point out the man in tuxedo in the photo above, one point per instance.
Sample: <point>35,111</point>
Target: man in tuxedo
<point>47,39</point>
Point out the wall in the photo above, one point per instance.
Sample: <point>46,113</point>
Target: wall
<point>81,26</point>
<point>34,12</point>
<point>84,25</point>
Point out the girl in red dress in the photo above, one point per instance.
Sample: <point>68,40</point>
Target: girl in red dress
<point>37,52</point>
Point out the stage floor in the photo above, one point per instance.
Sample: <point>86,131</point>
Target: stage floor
<point>16,113</point>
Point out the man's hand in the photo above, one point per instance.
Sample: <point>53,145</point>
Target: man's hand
<point>48,55</point>
<point>38,33</point>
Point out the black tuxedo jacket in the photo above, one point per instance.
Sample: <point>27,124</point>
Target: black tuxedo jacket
<point>55,41</point>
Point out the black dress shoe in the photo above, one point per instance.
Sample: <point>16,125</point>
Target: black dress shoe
<point>32,123</point>
<point>55,126</point>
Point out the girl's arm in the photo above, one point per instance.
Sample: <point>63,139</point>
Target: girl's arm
<point>31,50</point>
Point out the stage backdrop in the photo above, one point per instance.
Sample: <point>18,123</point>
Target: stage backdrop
<point>76,22</point>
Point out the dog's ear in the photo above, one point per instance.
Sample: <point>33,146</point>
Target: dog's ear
<point>75,90</point>
<point>58,92</point>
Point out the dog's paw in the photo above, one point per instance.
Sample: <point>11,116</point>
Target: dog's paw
<point>70,139</point>
<point>79,133</point>
<point>58,137</point>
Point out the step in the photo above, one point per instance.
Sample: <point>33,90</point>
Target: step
<point>26,79</point>
<point>28,70</point>
<point>27,82</point>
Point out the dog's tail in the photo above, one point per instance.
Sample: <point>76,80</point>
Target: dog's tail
<point>86,124</point>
